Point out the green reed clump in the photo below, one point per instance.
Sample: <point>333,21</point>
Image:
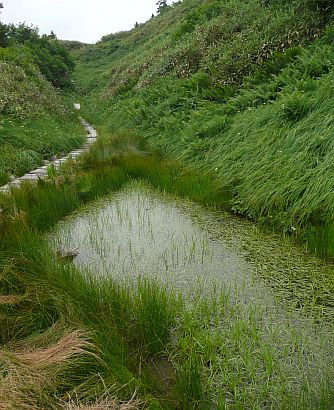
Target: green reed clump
<point>126,156</point>
<point>156,312</point>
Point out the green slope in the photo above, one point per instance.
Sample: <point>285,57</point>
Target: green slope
<point>35,123</point>
<point>242,88</point>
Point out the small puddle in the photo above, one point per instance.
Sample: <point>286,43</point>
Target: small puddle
<point>140,233</point>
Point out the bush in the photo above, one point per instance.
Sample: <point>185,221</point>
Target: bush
<point>324,5</point>
<point>296,106</point>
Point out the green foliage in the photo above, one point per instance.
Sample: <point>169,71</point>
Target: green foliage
<point>323,5</point>
<point>54,61</point>
<point>3,35</point>
<point>35,122</point>
<point>224,41</point>
<point>25,144</point>
<point>49,54</point>
<point>156,313</point>
<point>267,140</point>
<point>198,16</point>
<point>213,348</point>
<point>162,4</point>
<point>295,106</point>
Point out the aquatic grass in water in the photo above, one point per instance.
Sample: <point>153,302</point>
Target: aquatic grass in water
<point>137,234</point>
<point>156,309</point>
<point>233,341</point>
<point>246,361</point>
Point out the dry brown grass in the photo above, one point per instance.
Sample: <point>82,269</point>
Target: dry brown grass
<point>29,376</point>
<point>10,299</point>
<point>70,345</point>
<point>108,404</point>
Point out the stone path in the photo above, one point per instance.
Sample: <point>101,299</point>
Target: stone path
<point>42,172</point>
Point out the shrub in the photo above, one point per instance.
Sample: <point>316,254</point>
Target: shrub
<point>296,106</point>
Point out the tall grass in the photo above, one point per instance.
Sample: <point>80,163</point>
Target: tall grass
<point>88,339</point>
<point>120,325</point>
<point>269,145</point>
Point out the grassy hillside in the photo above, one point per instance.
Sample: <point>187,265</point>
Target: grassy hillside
<point>35,123</point>
<point>240,88</point>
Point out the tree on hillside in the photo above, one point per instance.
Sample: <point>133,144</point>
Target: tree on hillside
<point>3,35</point>
<point>162,4</point>
<point>52,35</point>
<point>3,32</point>
<point>49,54</point>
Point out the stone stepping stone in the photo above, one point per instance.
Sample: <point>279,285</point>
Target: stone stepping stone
<point>29,177</point>
<point>79,151</point>
<point>75,154</point>
<point>40,172</point>
<point>5,189</point>
<point>15,184</point>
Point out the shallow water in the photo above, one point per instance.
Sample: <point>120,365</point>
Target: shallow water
<point>140,233</point>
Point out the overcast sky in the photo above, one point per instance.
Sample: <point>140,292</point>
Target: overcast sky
<point>83,20</point>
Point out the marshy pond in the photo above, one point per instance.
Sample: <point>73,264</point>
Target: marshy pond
<point>138,232</point>
<point>141,233</point>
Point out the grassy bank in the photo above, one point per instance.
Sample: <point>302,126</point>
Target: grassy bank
<point>240,89</point>
<point>35,122</point>
<point>70,339</point>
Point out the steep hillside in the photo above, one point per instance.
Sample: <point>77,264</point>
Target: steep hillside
<point>236,87</point>
<point>34,120</point>
<point>225,40</point>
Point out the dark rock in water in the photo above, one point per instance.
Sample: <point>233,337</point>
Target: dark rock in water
<point>67,256</point>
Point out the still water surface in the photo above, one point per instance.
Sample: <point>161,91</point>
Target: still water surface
<point>141,233</point>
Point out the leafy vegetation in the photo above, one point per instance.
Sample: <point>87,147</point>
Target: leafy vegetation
<point>35,122</point>
<point>224,102</point>
<point>236,88</point>
<point>49,54</point>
